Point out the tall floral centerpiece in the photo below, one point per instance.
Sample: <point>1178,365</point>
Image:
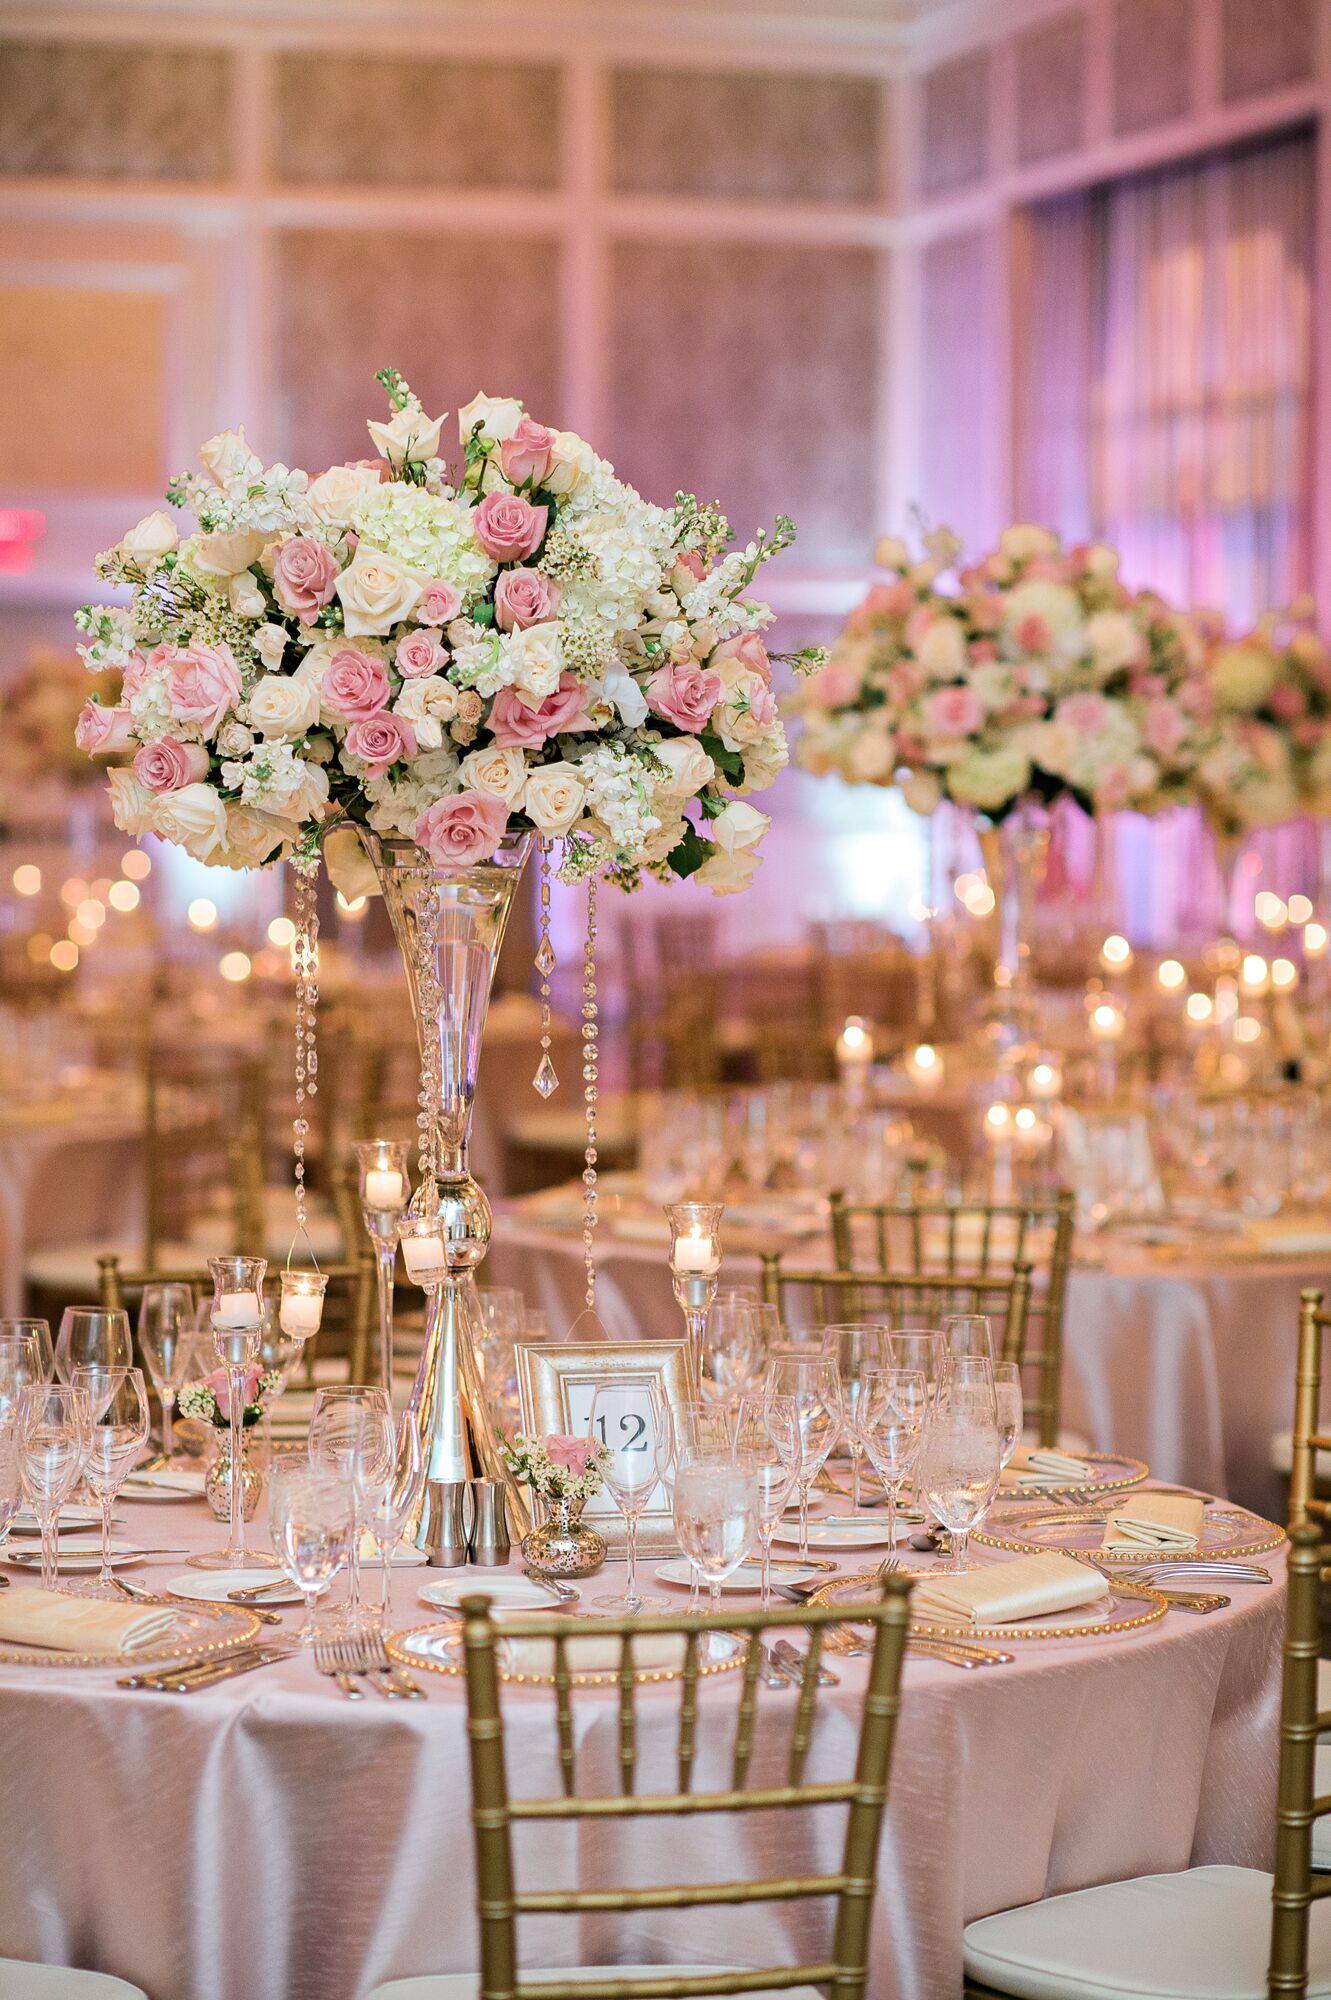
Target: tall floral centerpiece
<point>446,669</point>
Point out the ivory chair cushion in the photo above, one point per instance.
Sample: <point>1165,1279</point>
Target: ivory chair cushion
<point>467,1985</point>
<point>1204,1934</point>
<point>1282,1457</point>
<point>20,1980</point>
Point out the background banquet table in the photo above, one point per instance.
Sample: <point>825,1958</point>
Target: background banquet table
<point>268,1840</point>
<point>1183,1358</point>
<point>70,1160</point>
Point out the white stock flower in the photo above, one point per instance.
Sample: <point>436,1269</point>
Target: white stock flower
<point>503,772</point>
<point>498,416</point>
<point>687,762</point>
<point>150,539</point>
<point>554,797</point>
<point>131,803</point>
<point>738,826</point>
<point>408,435</point>
<point>193,817</point>
<point>333,495</point>
<point>725,874</point>
<point>427,704</point>
<point>284,705</point>
<point>376,592</point>
<point>274,779</point>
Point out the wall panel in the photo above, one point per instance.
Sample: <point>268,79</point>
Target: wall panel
<point>114,111</point>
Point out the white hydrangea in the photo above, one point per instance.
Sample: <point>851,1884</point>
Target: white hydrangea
<point>620,798</point>
<point>397,804</point>
<point>631,542</point>
<point>430,532</point>
<point>151,711</point>
<point>274,779</point>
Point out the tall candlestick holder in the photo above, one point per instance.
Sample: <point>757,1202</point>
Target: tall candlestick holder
<point>384,1190</point>
<point>695,1266</point>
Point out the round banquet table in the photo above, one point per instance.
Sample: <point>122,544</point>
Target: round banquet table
<point>71,1168</point>
<point>1183,1357</point>
<point>266,1839</point>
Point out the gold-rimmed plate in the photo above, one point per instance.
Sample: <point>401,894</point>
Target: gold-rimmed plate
<point>437,1649</point>
<point>1080,1531</point>
<point>1123,1610</point>
<point>1113,1472</point>
<point>197,1631</point>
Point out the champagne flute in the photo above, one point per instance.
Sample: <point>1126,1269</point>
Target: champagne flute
<point>389,1501</point>
<point>310,1520</point>
<point>894,1403</point>
<point>639,1438</point>
<point>767,1442</point>
<point>166,1324</point>
<point>119,1405</point>
<point>814,1387</point>
<point>716,1516</point>
<point>52,1433</point>
<point>92,1333</point>
<point>856,1348</point>
<point>351,1436</point>
<point>958,1474</point>
<point>38,1330</point>
<point>1010,1408</point>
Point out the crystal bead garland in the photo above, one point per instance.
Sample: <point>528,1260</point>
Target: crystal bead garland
<point>590,1035</point>
<point>426,1199</point>
<point>305,962</point>
<point>545,1080</point>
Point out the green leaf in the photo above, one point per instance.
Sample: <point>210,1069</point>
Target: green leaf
<point>729,762</point>
<point>688,857</point>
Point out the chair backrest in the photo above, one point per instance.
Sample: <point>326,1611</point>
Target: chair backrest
<point>1308,1439</point>
<point>979,1239</point>
<point>203,1138</point>
<point>863,1791</point>
<point>899,1298</point>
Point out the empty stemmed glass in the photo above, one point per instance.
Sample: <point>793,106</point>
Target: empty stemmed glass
<point>25,1327</point>
<point>235,1314</point>
<point>11,1479</point>
<point>351,1436</point>
<point>92,1334</point>
<point>166,1342</point>
<point>311,1522</point>
<point>922,1348</point>
<point>814,1387</point>
<point>767,1441</point>
<point>637,1430</point>
<point>389,1501</point>
<point>716,1515</point>
<point>893,1405</point>
<point>20,1368</point>
<point>1009,1409</point>
<point>733,1350</point>
<point>968,1333</point>
<point>856,1348</point>
<point>959,1464</point>
<point>52,1433</point>
<point>119,1431</point>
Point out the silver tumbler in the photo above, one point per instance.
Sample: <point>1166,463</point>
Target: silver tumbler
<point>444,1535</point>
<point>489,1524</point>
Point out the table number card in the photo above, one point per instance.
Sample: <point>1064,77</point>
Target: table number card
<point>556,1384</point>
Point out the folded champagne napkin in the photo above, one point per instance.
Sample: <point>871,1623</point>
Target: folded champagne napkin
<point>596,1654</point>
<point>1008,1590</point>
<point>1155,1521</point>
<point>1033,1466</point>
<point>80,1624</point>
<point>1289,1239</point>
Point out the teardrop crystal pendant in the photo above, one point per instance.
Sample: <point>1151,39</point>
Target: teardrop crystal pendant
<point>545,1079</point>
<point>545,1082</point>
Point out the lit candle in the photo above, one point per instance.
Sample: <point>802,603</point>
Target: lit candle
<point>1255,974</point>
<point>423,1257</point>
<point>924,1066</point>
<point>301,1310</point>
<point>1116,954</point>
<point>237,1309</point>
<point>383,1188</point>
<point>1045,1080</point>
<point>697,1254</point>
<point>1171,975</point>
<point>1107,1021</point>
<point>854,1045</point>
<point>1315,941</point>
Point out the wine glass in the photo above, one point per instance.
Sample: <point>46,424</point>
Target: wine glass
<point>92,1333</point>
<point>119,1431</point>
<point>11,1482</point>
<point>856,1348</point>
<point>311,1523</point>
<point>351,1436</point>
<point>33,1329</point>
<point>716,1515</point>
<point>389,1501</point>
<point>767,1441</point>
<point>52,1433</point>
<point>235,1314</point>
<point>733,1350</point>
<point>894,1403</point>
<point>166,1342</point>
<point>638,1433</point>
<point>1010,1408</point>
<point>20,1366</point>
<point>814,1386</point>
<point>959,1464</point>
<point>922,1348</point>
<point>968,1333</point>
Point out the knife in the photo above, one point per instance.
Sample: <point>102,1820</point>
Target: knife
<point>203,1673</point>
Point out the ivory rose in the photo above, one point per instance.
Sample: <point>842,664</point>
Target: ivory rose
<point>554,797</point>
<point>380,740</point>
<point>167,765</point>
<point>194,818</point>
<point>746,650</point>
<point>100,731</point>
<point>952,711</point>
<point>251,837</point>
<point>355,685</point>
<point>738,826</point>
<point>503,772</point>
<point>334,494</point>
<point>224,554</point>
<point>132,804</point>
<point>533,660</point>
<point>571,459</point>
<point>516,726</point>
<point>524,597</point>
<point>468,827</point>
<point>685,695</point>
<point>726,874</point>
<point>304,578</point>
<point>376,591</point>
<point>202,683</point>
<point>498,417</point>
<point>427,704</point>
<point>508,527</point>
<point>527,454</point>
<point>228,460</point>
<point>408,436</point>
<point>688,764</point>
<point>284,705</point>
<point>150,539</point>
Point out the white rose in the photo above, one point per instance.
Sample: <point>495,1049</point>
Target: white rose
<point>689,765</point>
<point>334,493</point>
<point>246,598</point>
<point>922,792</point>
<point>1100,561</point>
<point>270,642</point>
<point>250,837</point>
<point>872,757</point>
<point>498,417</point>
<point>572,458</point>
<point>225,555</point>
<point>309,799</point>
<point>1022,542</point>
<point>152,538</point>
<point>942,649</point>
<point>228,460</point>
<point>350,868</point>
<point>193,818</point>
<point>234,740</point>
<point>1114,640</point>
<point>1243,675</point>
<point>493,770</point>
<point>725,874</point>
<point>533,661</point>
<point>554,797</point>
<point>131,803</point>
<point>990,778</point>
<point>1054,604</point>
<point>284,705</point>
<point>376,592</point>
<point>427,704</point>
<point>890,552</point>
<point>738,826</point>
<point>764,762</point>
<point>408,435</point>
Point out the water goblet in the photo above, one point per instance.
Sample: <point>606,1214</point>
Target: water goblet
<point>38,1330</point>
<point>761,1446</point>
<point>922,1348</point>
<point>52,1434</point>
<point>351,1436</point>
<point>389,1501</point>
<point>814,1386</point>
<point>311,1523</point>
<point>92,1334</point>
<point>894,1403</point>
<point>968,1333</point>
<point>637,1430</point>
<point>235,1315</point>
<point>119,1431</point>
<point>968,1387</point>
<point>716,1515</point>
<point>166,1323</point>
<point>959,1464</point>
<point>856,1348</point>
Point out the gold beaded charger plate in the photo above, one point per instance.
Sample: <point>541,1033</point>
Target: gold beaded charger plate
<point>437,1649</point>
<point>1124,1610</point>
<point>1080,1531</point>
<point>1112,1472</point>
<point>197,1630</point>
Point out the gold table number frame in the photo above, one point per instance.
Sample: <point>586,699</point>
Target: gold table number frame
<point>556,1383</point>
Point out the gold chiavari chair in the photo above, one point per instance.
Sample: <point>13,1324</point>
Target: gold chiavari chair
<point>812,1297</point>
<point>842,1970</point>
<point>981,1239</point>
<point>203,1140</point>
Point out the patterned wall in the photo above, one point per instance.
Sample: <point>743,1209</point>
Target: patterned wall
<point>110,111</point>
<point>1148,93</point>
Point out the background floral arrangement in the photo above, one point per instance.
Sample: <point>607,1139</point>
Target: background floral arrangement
<point>1270,757</point>
<point>208,1400</point>
<point>42,705</point>
<point>557,1468</point>
<point>532,646</point>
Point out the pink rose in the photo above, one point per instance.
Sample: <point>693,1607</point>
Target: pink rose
<point>167,765</point>
<point>835,686</point>
<point>137,669</point>
<point>762,706</point>
<point>100,731</point>
<point>904,681</point>
<point>418,654</point>
<point>527,455</point>
<point>1287,701</point>
<point>889,600</point>
<point>220,1384</point>
<point>1165,728</point>
<point>1084,714</point>
<point>747,650</point>
<point>466,828</point>
<point>685,695</point>
<point>355,685</point>
<point>1114,789</point>
<point>573,1454</point>
<point>380,740</point>
<point>953,711</point>
<point>1033,633</point>
<point>691,563</point>
<point>202,683</point>
<point>982,652</point>
<point>304,574</point>
<point>438,603</point>
<point>508,527</point>
<point>921,618</point>
<point>515,726</point>
<point>524,597</point>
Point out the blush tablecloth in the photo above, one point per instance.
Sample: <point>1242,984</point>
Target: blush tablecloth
<point>268,1840</point>
<point>1187,1362</point>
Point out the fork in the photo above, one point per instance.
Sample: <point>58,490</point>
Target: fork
<point>326,1662</point>
<point>365,1655</point>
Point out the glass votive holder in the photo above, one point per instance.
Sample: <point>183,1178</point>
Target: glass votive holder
<point>695,1243</point>
<point>237,1303</point>
<point>301,1310</point>
<point>422,1241</point>
<point>384,1182</point>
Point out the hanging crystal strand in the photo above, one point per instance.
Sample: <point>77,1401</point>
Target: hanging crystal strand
<point>545,1080</point>
<point>431,1083</point>
<point>590,1034</point>
<point>305,959</point>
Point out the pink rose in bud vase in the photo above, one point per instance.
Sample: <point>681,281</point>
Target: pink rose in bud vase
<point>685,695</point>
<point>515,726</point>
<point>508,527</point>
<point>167,765</point>
<point>304,576</point>
<point>220,1384</point>
<point>355,685</point>
<point>524,597</point>
<point>380,740</point>
<point>572,1453</point>
<point>439,603</point>
<point>100,730</point>
<point>419,653</point>
<point>526,456</point>
<point>464,829</point>
<point>202,683</point>
<point>747,650</point>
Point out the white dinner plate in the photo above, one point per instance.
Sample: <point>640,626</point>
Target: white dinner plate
<point>841,1533</point>
<point>25,1522</point>
<point>506,1593</point>
<point>210,1586</point>
<point>74,1553</point>
<point>747,1579</point>
<point>185,1484</point>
